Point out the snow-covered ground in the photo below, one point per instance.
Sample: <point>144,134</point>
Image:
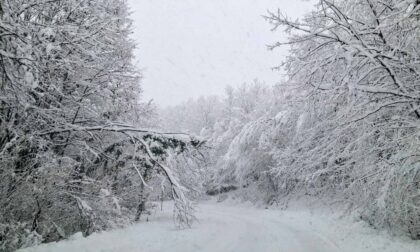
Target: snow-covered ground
<point>228,227</point>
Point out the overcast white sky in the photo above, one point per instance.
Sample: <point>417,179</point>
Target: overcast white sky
<point>189,48</point>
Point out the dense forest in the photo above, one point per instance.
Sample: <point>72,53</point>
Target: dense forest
<point>343,129</point>
<point>76,152</point>
<point>81,152</point>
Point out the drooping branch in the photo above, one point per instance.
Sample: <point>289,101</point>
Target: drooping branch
<point>183,210</point>
<point>111,127</point>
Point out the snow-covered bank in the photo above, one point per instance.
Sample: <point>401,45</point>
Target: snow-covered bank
<point>228,227</point>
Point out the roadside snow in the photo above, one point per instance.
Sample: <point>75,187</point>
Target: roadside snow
<point>228,227</point>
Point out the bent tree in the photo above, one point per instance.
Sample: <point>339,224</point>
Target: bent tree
<point>75,149</point>
<point>358,62</point>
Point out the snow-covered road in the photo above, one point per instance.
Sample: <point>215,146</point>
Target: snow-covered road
<point>230,228</point>
<point>249,230</point>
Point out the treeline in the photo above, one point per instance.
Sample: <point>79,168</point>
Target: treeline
<point>343,129</point>
<point>74,152</point>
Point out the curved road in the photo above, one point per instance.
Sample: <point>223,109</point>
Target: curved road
<point>220,228</point>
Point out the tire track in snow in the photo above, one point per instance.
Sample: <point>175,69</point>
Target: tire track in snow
<point>264,232</point>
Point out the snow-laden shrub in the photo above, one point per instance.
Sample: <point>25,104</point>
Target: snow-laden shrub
<point>17,235</point>
<point>398,206</point>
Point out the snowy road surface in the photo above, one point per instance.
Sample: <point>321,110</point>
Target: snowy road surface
<point>229,228</point>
